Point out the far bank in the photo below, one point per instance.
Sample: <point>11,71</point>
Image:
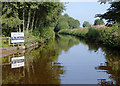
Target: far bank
<point>107,36</point>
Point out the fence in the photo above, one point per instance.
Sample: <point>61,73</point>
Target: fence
<point>6,42</point>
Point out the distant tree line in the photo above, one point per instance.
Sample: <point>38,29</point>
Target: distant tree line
<point>96,22</point>
<point>86,24</point>
<point>112,15</point>
<point>99,22</point>
<point>66,22</point>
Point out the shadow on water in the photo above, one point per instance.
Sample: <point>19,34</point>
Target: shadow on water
<point>42,66</point>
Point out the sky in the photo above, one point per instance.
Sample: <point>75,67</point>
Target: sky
<point>85,11</point>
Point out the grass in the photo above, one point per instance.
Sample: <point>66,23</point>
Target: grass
<point>38,35</point>
<point>45,33</point>
<point>80,32</point>
<point>4,43</point>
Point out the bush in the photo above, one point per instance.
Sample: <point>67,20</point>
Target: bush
<point>109,36</point>
<point>93,34</point>
<point>4,42</point>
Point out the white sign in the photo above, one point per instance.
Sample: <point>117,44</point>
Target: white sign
<point>17,37</point>
<point>17,62</point>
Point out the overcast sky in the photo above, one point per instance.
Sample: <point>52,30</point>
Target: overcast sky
<point>85,11</point>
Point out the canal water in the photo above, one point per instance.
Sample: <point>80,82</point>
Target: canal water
<point>64,60</point>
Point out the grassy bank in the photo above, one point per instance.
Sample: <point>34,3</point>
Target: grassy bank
<point>41,36</point>
<point>4,43</point>
<point>109,36</point>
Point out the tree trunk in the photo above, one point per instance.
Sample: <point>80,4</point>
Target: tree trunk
<point>19,29</point>
<point>23,20</point>
<point>36,23</point>
<point>28,20</point>
<point>39,26</point>
<point>33,21</point>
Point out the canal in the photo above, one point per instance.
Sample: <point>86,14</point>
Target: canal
<point>64,60</point>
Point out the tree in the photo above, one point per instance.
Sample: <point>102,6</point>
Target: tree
<point>68,21</point>
<point>104,1</point>
<point>62,25</point>
<point>113,14</point>
<point>10,18</point>
<point>98,22</point>
<point>30,16</point>
<point>71,22</point>
<point>86,24</point>
<point>66,15</point>
<point>76,24</point>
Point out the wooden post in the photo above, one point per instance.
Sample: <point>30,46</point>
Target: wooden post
<point>13,55</point>
<point>13,44</point>
<point>18,45</point>
<point>9,59</point>
<point>18,54</point>
<point>9,41</point>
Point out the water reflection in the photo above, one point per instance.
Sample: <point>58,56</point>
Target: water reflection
<point>43,67</point>
<point>111,66</point>
<point>17,62</point>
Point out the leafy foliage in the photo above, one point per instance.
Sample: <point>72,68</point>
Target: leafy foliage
<point>62,25</point>
<point>98,22</point>
<point>30,16</point>
<point>86,24</point>
<point>113,14</point>
<point>109,36</point>
<point>66,22</point>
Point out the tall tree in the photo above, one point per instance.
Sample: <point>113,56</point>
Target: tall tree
<point>10,17</point>
<point>30,16</point>
<point>113,14</point>
<point>98,22</point>
<point>66,22</point>
<point>86,24</point>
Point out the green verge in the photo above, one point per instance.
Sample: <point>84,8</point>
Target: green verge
<point>109,36</point>
<point>41,36</point>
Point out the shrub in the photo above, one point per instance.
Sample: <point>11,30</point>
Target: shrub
<point>109,36</point>
<point>93,34</point>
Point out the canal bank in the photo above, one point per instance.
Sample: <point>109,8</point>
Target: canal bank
<point>107,36</point>
<point>12,50</point>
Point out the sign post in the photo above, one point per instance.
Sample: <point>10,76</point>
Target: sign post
<point>17,37</point>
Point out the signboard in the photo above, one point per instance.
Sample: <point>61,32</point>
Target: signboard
<point>17,62</point>
<point>17,37</point>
